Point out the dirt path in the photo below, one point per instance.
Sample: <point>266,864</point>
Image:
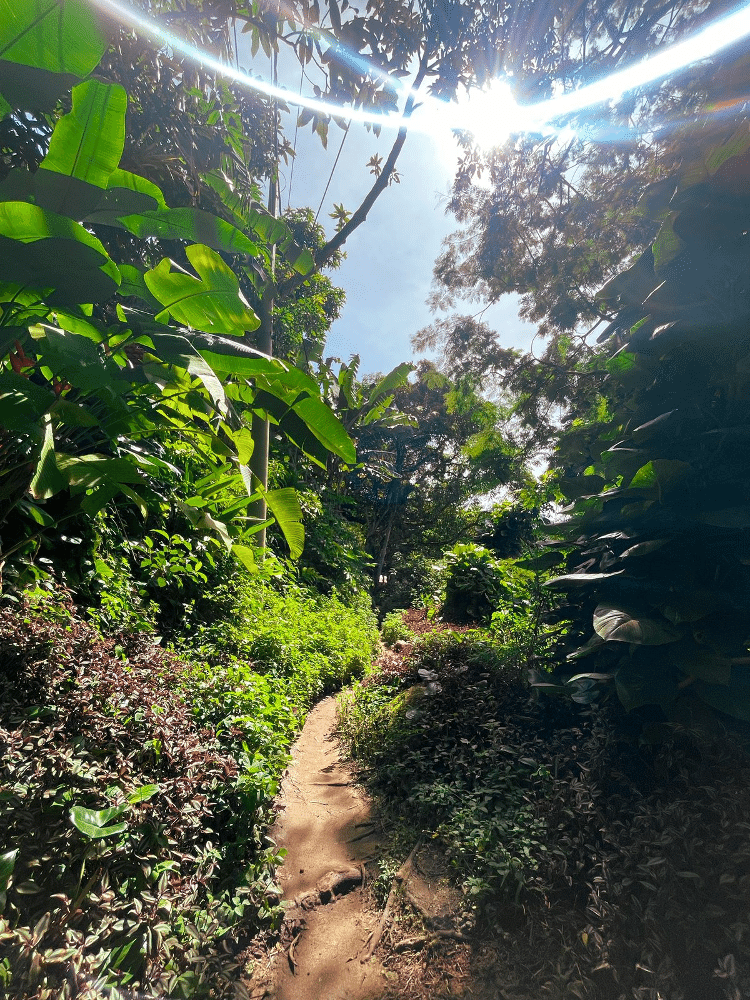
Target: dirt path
<point>329,833</point>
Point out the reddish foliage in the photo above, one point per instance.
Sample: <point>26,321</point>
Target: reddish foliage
<point>85,721</point>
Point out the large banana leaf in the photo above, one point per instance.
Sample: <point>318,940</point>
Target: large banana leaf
<point>285,507</point>
<point>211,302</point>
<point>191,224</point>
<point>86,146</point>
<point>44,250</point>
<point>45,47</point>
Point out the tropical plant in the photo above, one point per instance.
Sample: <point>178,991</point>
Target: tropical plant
<point>658,528</point>
<point>101,364</point>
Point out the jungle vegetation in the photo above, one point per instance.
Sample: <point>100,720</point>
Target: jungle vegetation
<point>204,519</point>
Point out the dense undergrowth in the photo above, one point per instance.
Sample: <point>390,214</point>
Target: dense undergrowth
<point>137,786</point>
<point>603,865</point>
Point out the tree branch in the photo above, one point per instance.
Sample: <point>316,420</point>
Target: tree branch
<point>381,183</point>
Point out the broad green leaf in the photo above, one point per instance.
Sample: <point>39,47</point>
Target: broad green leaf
<point>393,380</point>
<point>75,359</point>
<point>142,794</point>
<point>211,302</point>
<point>192,225</point>
<point>622,625</point>
<point>326,427</point>
<point>47,478</point>
<point>7,864</point>
<point>85,147</point>
<point>97,823</point>
<point>663,473</point>
<point>102,479</point>
<point>45,47</point>
<point>22,402</point>
<point>177,350</point>
<point>284,505</point>
<point>243,440</point>
<point>246,556</point>
<point>125,180</point>
<point>227,357</point>
<point>73,414</point>
<point>46,251</point>
<point>133,284</point>
<point>293,426</point>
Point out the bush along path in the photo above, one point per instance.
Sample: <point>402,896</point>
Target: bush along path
<point>136,791</point>
<point>593,863</point>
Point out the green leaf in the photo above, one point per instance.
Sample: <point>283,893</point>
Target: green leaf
<point>211,302</point>
<point>102,478</point>
<point>7,864</point>
<point>179,351</point>
<point>243,440</point>
<point>125,180</point>
<point>246,556</point>
<point>85,147</point>
<point>326,427</point>
<point>193,225</point>
<point>47,478</point>
<point>22,402</point>
<point>93,823</point>
<point>45,47</point>
<point>663,473</point>
<point>622,625</point>
<point>75,359</point>
<point>284,505</point>
<point>142,794</point>
<point>48,251</point>
<point>393,380</point>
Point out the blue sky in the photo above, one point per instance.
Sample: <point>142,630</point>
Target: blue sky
<point>388,270</point>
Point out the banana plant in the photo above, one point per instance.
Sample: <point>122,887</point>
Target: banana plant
<point>100,362</point>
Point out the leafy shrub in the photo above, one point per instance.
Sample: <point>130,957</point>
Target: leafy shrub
<point>394,628</point>
<point>474,584</point>
<point>437,755</point>
<point>132,851</point>
<point>312,642</point>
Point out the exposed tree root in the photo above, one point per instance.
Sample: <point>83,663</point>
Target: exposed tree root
<point>400,878</point>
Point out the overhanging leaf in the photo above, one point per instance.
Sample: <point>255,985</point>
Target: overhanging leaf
<point>211,302</point>
<point>622,625</point>
<point>45,47</point>
<point>85,147</point>
<point>284,505</point>
<point>193,225</point>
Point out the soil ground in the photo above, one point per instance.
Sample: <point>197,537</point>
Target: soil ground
<point>335,843</point>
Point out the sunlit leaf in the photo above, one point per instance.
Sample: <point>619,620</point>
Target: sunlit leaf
<point>621,625</point>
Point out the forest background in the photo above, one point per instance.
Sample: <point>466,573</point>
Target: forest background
<point>166,400</point>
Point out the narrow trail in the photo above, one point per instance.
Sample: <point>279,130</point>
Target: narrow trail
<point>328,830</point>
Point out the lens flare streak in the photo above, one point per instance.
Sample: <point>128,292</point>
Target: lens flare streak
<point>494,114</point>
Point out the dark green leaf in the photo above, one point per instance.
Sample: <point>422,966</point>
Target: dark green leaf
<point>623,625</point>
